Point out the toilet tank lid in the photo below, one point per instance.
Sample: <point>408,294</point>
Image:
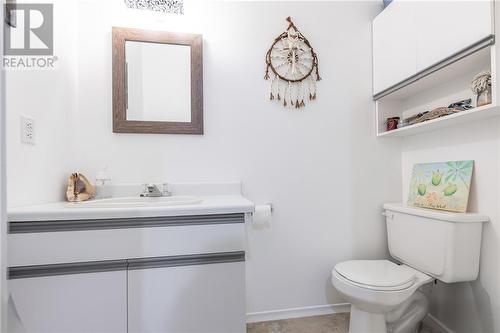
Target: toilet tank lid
<point>436,214</point>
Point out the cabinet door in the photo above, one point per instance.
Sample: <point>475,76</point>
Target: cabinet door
<point>394,45</point>
<point>446,27</point>
<point>91,302</point>
<point>188,299</point>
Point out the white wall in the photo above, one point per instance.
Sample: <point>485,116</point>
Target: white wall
<point>475,306</point>
<point>467,307</point>
<point>322,167</point>
<point>3,191</point>
<point>38,173</point>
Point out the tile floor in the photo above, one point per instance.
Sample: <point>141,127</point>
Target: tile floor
<point>335,323</point>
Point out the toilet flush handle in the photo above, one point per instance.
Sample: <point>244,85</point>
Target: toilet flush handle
<point>388,215</point>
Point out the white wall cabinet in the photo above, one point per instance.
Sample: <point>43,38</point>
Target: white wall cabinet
<point>394,51</point>
<point>410,36</point>
<point>446,27</point>
<point>188,299</point>
<point>91,302</point>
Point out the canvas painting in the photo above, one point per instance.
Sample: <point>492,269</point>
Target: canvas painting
<point>442,185</point>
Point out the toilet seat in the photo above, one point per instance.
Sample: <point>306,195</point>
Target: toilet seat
<point>378,275</point>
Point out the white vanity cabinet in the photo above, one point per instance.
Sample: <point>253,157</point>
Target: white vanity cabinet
<point>411,36</point>
<point>92,302</point>
<point>196,299</point>
<point>142,274</point>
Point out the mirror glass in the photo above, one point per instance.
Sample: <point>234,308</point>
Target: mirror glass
<point>158,82</point>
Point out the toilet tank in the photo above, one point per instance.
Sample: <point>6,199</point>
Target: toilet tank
<point>441,244</point>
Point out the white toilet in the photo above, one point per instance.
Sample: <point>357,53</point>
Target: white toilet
<point>430,245</point>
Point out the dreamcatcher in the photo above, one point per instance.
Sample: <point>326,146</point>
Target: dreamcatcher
<point>294,68</point>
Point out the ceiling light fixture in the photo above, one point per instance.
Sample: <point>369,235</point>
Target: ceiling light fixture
<point>165,6</point>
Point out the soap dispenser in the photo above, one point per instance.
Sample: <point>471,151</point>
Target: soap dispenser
<point>103,184</point>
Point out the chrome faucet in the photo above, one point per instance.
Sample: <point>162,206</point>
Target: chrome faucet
<point>152,191</point>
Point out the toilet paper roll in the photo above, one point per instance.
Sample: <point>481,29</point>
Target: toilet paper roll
<point>262,214</point>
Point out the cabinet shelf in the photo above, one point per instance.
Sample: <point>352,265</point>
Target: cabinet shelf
<point>483,112</point>
<point>439,89</point>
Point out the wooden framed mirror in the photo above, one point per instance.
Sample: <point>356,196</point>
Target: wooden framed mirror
<point>157,82</point>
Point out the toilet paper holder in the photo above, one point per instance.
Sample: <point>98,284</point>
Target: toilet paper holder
<point>262,215</point>
<point>266,204</point>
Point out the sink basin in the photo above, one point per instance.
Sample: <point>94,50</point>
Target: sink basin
<point>125,202</point>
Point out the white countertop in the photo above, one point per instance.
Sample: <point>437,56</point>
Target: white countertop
<point>217,198</point>
<point>216,204</point>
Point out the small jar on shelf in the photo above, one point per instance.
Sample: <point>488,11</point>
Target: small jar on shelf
<point>392,123</point>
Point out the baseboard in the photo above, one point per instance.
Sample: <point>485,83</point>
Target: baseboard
<point>318,310</point>
<point>308,311</point>
<point>436,325</point>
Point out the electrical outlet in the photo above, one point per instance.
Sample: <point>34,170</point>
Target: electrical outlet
<point>27,130</point>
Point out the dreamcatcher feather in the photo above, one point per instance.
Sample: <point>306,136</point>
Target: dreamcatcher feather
<point>292,67</point>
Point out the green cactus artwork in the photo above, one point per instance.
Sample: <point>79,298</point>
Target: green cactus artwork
<point>422,188</point>
<point>441,185</point>
<point>450,190</point>
<point>436,178</point>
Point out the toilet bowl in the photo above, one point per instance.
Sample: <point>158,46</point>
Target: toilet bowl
<point>376,288</point>
<point>431,245</point>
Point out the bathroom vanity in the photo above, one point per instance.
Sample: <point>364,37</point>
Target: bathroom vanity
<point>131,267</point>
